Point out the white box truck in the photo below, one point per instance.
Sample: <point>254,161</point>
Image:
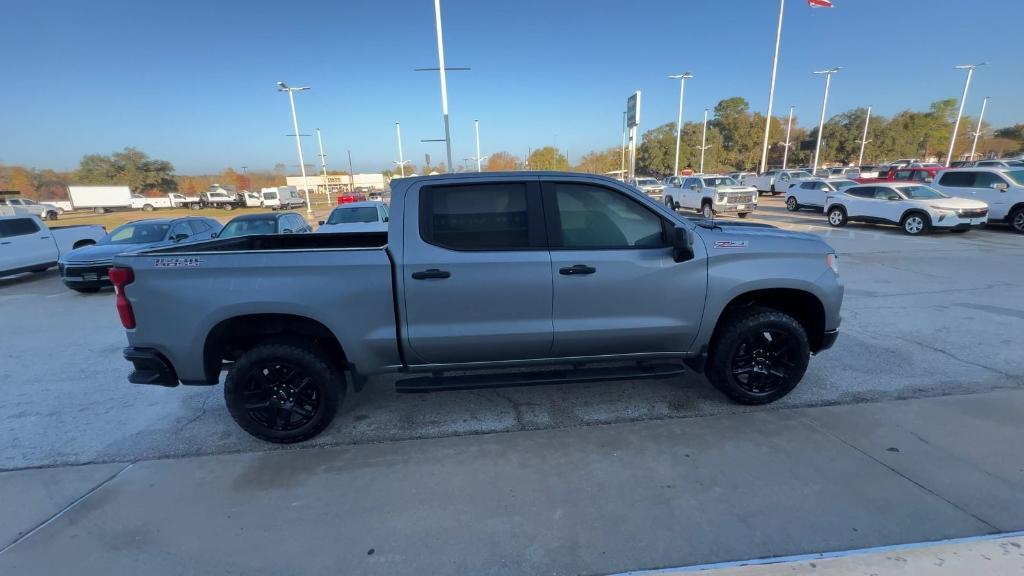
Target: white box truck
<point>100,198</point>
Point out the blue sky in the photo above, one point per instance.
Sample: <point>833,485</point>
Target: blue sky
<point>193,82</point>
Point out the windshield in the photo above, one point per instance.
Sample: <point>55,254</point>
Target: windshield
<point>646,182</point>
<point>1016,175</point>
<point>920,193</point>
<point>720,181</point>
<point>137,233</point>
<point>249,226</point>
<point>353,215</point>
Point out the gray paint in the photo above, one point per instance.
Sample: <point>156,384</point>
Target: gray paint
<point>496,307</point>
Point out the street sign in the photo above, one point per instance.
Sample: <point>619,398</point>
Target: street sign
<point>633,110</point>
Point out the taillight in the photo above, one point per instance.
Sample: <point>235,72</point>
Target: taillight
<point>121,277</point>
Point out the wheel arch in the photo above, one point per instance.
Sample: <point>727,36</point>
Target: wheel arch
<point>805,307</point>
<point>233,336</point>
<point>83,243</point>
<point>921,211</point>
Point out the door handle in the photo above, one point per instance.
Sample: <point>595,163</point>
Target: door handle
<point>44,237</point>
<point>431,273</point>
<point>2,243</point>
<point>577,270</point>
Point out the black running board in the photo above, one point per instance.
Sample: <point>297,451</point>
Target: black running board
<point>536,378</point>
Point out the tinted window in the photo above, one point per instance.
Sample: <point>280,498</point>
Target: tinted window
<point>862,192</point>
<point>17,227</point>
<point>957,179</point>
<point>475,217</point>
<point>199,226</point>
<point>811,185</point>
<point>595,217</point>
<point>137,233</point>
<point>986,179</point>
<point>249,226</point>
<point>181,228</point>
<point>691,182</point>
<point>720,181</point>
<point>1016,175</point>
<point>903,174</point>
<point>353,215</point>
<point>921,176</point>
<point>886,193</point>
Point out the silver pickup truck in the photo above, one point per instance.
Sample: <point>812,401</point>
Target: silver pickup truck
<point>492,279</point>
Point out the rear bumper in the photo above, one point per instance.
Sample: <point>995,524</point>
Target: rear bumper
<point>150,367</point>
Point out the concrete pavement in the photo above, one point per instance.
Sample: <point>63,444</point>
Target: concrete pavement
<point>584,500</point>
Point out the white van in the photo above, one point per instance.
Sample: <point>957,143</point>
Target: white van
<point>281,197</point>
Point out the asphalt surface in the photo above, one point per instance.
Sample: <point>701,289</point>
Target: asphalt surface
<point>928,316</point>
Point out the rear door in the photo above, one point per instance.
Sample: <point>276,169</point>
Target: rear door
<point>859,202</point>
<point>476,273</point>
<point>24,243</point>
<point>617,289</point>
<point>998,200</point>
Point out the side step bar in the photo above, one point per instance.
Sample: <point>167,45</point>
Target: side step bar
<point>442,382</point>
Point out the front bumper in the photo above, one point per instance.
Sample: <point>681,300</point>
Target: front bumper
<point>745,207</point>
<point>150,367</point>
<point>956,222</point>
<point>828,339</point>
<point>85,276</point>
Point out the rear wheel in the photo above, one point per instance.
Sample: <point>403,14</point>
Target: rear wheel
<point>915,224</point>
<point>758,356</point>
<point>1016,220</point>
<point>742,214</point>
<point>707,211</point>
<point>791,204</point>
<point>99,210</point>
<point>837,216</point>
<point>668,202</point>
<point>51,215</point>
<point>195,206</point>
<point>283,393</point>
<point>229,207</point>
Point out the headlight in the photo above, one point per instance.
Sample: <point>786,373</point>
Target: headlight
<point>833,262</point>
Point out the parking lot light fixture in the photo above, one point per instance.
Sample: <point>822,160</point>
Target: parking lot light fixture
<point>960,112</point>
<point>824,106</point>
<point>282,87</point>
<point>679,119</point>
<point>864,138</point>
<point>401,159</point>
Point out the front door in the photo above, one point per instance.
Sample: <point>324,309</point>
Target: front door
<point>23,243</point>
<point>617,289</point>
<point>998,200</point>
<point>476,273</point>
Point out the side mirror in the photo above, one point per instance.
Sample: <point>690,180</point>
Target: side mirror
<point>286,231</point>
<point>693,187</point>
<point>682,244</point>
<point>893,197</point>
<point>215,234</point>
<point>1001,186</point>
<point>385,219</point>
<point>320,223</point>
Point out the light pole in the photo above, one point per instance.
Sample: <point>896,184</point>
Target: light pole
<point>323,163</point>
<point>785,146</point>
<point>771,89</point>
<point>703,140</point>
<point>963,98</point>
<point>679,120</point>
<point>824,106</point>
<point>476,127</point>
<point>864,138</point>
<point>444,82</point>
<point>351,173</point>
<point>401,159</point>
<point>977,131</point>
<point>282,87</point>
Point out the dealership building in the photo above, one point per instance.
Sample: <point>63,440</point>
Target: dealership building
<point>337,183</point>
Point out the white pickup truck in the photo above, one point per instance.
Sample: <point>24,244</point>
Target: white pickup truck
<point>710,194</point>
<point>774,182</point>
<point>28,245</point>
<point>148,204</point>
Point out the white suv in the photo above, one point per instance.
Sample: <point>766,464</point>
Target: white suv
<point>811,192</point>
<point>710,195</point>
<point>915,207</point>
<point>1001,188</point>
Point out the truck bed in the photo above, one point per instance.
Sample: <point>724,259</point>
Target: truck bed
<point>282,242</point>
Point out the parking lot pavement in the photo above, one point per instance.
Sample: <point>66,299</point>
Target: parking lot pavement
<point>925,316</point>
<point>585,500</point>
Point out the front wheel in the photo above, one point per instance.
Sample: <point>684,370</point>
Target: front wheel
<point>837,216</point>
<point>742,214</point>
<point>791,204</point>
<point>283,393</point>
<point>759,356</point>
<point>707,211</point>
<point>915,224</point>
<point>1016,220</point>
<point>51,215</point>
<point>668,202</point>
<point>229,207</point>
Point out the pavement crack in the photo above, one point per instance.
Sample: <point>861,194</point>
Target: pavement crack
<point>61,512</point>
<point>517,411</point>
<point>839,438</point>
<point>1013,377</point>
<point>202,411</point>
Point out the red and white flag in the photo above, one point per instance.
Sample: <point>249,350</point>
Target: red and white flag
<point>819,3</point>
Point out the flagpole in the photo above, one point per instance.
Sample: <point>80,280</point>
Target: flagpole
<point>771,90</point>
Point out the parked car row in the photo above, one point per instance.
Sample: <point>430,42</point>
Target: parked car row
<point>27,244</point>
<point>919,199</point>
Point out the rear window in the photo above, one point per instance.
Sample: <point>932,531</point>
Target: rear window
<point>475,217</point>
<point>17,227</point>
<point>137,233</point>
<point>957,179</point>
<point>249,226</point>
<point>353,215</point>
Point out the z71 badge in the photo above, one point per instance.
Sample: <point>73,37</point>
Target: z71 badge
<point>182,262</point>
<point>730,244</point>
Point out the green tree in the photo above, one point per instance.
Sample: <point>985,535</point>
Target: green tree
<point>547,158</point>
<point>131,167</point>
